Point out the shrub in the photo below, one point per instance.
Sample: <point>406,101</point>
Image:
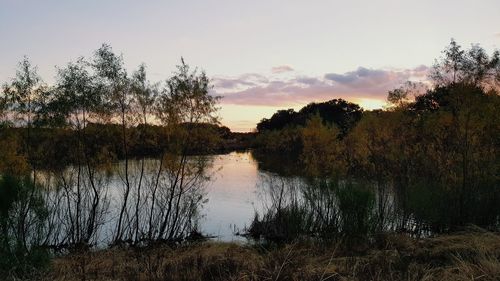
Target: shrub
<point>22,217</point>
<point>355,204</point>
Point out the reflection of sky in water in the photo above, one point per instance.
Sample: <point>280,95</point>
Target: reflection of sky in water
<point>231,196</point>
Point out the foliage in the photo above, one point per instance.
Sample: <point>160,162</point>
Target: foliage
<point>22,219</point>
<point>336,112</point>
<point>322,152</point>
<point>472,67</point>
<point>355,205</point>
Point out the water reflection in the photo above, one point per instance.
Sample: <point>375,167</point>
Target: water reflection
<point>232,196</point>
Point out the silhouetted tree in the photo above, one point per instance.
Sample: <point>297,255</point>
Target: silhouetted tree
<point>278,121</point>
<point>342,113</point>
<point>472,67</point>
<point>337,111</point>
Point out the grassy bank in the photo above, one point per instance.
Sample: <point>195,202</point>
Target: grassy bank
<point>469,255</point>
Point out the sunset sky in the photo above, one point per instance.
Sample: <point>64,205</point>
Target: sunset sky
<point>260,55</point>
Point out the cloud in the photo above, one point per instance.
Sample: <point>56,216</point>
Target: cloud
<point>360,78</point>
<point>372,79</point>
<point>281,69</point>
<point>308,80</point>
<point>243,81</point>
<point>361,83</point>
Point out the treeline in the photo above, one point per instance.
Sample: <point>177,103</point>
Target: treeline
<point>57,143</point>
<point>429,162</point>
<point>54,145</point>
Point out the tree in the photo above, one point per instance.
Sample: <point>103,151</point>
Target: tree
<point>402,97</point>
<point>458,69</point>
<point>278,121</point>
<point>177,190</point>
<point>339,112</point>
<point>143,99</point>
<point>473,67</point>
<point>78,100</point>
<point>22,99</point>
<point>109,68</point>
<point>322,151</point>
<point>186,98</point>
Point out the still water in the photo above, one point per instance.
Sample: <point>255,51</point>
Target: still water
<point>234,195</point>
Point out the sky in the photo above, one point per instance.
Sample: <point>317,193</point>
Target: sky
<point>261,55</point>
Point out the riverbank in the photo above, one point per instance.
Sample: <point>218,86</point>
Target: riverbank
<point>470,255</point>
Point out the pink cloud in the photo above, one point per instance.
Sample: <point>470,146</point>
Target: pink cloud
<point>281,69</point>
<point>359,83</point>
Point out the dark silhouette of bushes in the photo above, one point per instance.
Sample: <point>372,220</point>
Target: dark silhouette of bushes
<point>23,216</point>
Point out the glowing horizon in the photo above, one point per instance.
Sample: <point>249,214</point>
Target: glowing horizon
<point>251,115</point>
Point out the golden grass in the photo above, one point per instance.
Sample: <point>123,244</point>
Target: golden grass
<point>473,255</point>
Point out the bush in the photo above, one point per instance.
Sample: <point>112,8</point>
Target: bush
<point>283,225</point>
<point>22,218</point>
<point>355,204</point>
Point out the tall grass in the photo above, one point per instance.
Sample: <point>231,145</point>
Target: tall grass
<point>321,208</point>
<point>472,255</point>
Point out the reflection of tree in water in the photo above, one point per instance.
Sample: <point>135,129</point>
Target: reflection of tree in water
<point>279,163</point>
<point>326,208</point>
<point>296,207</point>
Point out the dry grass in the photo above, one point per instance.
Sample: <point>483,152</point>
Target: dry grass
<point>473,255</point>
